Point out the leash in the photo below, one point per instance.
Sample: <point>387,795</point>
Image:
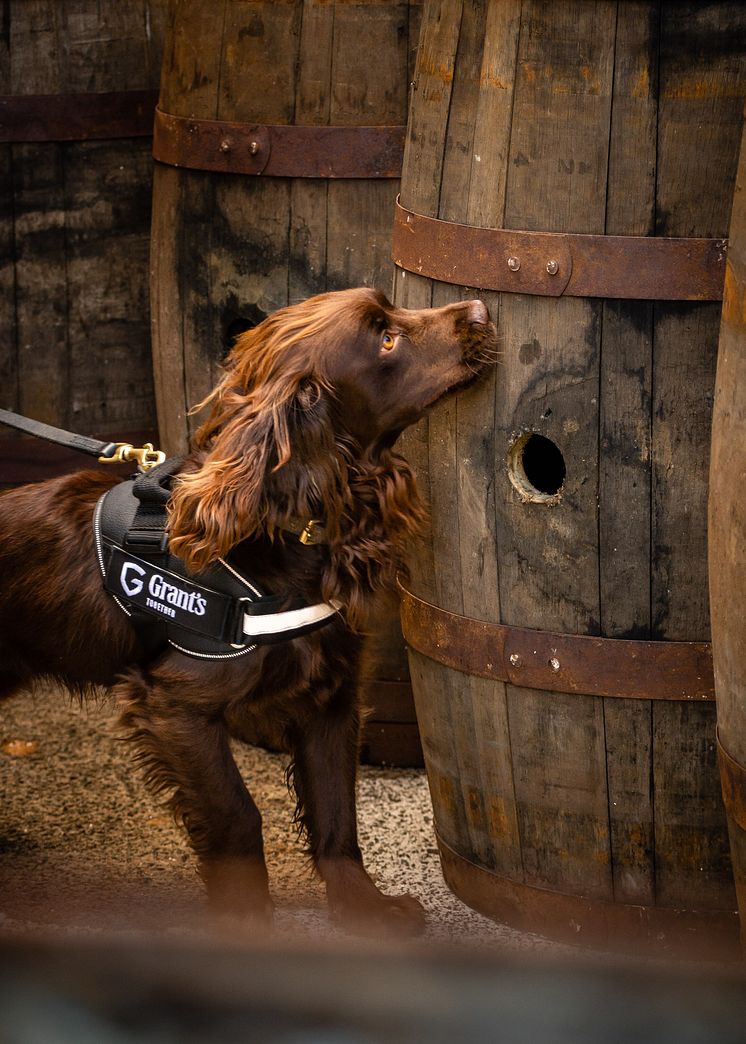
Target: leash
<point>308,531</point>
<point>106,452</point>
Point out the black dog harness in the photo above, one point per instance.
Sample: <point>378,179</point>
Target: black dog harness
<point>218,615</point>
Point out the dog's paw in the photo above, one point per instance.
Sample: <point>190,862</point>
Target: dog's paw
<point>237,889</point>
<point>396,916</point>
<point>405,915</point>
<point>241,922</point>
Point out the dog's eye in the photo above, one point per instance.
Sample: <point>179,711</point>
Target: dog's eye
<point>388,341</point>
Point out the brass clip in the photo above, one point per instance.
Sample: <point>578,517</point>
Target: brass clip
<point>146,456</point>
<point>306,535</point>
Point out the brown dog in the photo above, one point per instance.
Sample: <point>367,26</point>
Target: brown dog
<point>300,428</point>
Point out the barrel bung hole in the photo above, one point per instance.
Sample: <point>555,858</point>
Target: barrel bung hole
<point>536,468</point>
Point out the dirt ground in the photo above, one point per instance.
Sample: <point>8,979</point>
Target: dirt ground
<point>104,937</point>
<point>84,846</point>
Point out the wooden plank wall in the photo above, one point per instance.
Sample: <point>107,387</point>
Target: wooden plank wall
<point>74,225</point>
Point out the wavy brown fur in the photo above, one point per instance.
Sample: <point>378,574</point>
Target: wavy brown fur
<point>270,452</point>
<point>301,426</point>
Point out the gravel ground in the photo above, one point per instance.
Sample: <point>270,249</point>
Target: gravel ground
<point>104,937</point>
<point>84,846</point>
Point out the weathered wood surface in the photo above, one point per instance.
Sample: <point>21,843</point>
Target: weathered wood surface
<point>74,222</point>
<point>229,249</point>
<point>602,118</point>
<point>727,527</point>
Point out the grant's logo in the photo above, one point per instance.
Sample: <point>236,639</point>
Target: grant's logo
<point>131,585</point>
<point>160,593</point>
<point>189,601</point>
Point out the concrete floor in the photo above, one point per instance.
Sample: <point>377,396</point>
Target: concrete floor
<point>84,846</point>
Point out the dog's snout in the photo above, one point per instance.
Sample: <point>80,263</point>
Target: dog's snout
<point>477,312</point>
<point>476,333</point>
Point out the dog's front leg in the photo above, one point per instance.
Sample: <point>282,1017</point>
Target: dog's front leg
<point>183,746</point>
<point>324,774</point>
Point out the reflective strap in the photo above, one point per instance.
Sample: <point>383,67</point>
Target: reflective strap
<point>255,626</point>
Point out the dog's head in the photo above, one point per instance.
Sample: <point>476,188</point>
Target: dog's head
<point>310,396</point>
<point>385,366</point>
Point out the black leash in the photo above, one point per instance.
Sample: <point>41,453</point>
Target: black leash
<point>106,452</point>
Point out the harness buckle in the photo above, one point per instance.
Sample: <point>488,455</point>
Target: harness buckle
<point>146,456</point>
<point>146,541</point>
<point>306,535</point>
<point>238,638</point>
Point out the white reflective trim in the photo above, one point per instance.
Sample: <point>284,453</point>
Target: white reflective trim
<point>279,623</point>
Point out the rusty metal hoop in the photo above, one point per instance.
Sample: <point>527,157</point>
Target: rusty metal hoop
<point>278,151</point>
<point>555,264</point>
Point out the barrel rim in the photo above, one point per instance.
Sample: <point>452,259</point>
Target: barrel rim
<point>581,919</point>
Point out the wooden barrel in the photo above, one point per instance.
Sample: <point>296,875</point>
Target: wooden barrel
<point>78,86</point>
<point>279,139</point>
<point>727,539</point>
<point>574,162</point>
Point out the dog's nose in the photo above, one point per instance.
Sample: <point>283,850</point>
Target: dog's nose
<point>477,312</point>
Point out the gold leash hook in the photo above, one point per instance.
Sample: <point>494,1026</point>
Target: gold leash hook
<point>146,456</point>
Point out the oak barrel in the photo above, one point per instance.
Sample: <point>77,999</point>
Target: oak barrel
<point>727,538</point>
<point>278,142</point>
<point>78,86</point>
<point>575,163</point>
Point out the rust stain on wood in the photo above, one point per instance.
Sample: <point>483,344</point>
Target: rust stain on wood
<point>734,298</point>
<point>691,89</point>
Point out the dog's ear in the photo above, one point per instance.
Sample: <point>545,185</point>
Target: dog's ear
<point>311,480</point>
<point>272,458</point>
